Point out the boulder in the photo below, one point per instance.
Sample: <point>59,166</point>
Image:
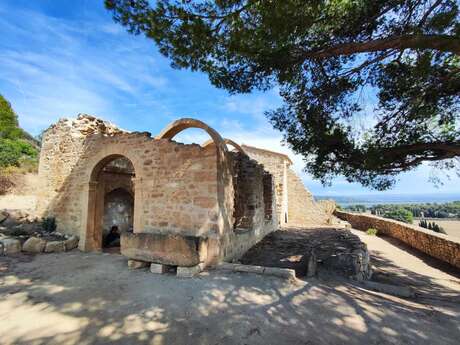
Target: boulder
<point>163,249</point>
<point>55,247</point>
<point>71,243</point>
<point>10,246</point>
<point>34,245</point>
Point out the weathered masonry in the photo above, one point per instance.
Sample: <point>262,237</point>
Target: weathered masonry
<point>175,204</point>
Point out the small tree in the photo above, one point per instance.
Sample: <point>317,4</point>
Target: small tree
<point>9,126</point>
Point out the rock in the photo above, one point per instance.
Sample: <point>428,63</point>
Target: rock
<point>55,247</point>
<point>136,264</point>
<point>158,268</point>
<point>34,245</point>
<point>174,250</point>
<point>3,215</point>
<point>10,246</point>
<point>71,243</point>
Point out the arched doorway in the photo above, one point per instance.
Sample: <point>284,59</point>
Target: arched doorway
<point>110,202</point>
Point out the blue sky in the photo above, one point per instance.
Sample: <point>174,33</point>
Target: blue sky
<point>61,58</point>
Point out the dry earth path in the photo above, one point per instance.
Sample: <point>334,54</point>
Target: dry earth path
<point>80,298</point>
<point>398,264</point>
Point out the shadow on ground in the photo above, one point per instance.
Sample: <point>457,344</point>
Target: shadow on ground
<point>425,286</point>
<point>81,298</point>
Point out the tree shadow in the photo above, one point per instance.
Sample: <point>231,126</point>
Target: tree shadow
<point>424,286</point>
<point>89,298</point>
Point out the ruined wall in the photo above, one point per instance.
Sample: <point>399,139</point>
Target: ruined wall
<point>302,209</point>
<point>295,205</point>
<point>175,187</point>
<point>251,221</point>
<point>277,165</point>
<point>440,246</point>
<point>62,146</point>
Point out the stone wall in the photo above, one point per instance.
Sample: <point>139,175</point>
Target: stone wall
<point>276,164</point>
<point>118,211</point>
<point>251,222</point>
<point>437,245</point>
<point>178,189</point>
<point>302,209</point>
<point>295,205</point>
<point>175,185</point>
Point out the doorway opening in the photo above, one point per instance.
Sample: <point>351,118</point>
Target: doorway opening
<point>110,203</point>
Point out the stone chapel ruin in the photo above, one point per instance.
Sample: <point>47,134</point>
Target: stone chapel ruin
<point>175,204</point>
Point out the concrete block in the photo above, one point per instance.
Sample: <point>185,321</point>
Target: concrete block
<point>136,264</point>
<point>158,268</point>
<point>188,272</point>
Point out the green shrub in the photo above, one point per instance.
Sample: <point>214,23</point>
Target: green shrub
<point>49,224</point>
<point>372,232</point>
<point>13,150</point>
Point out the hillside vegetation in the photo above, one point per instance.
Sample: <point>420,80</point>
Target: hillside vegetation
<point>18,149</point>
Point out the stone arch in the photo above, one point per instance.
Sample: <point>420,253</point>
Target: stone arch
<point>226,142</point>
<point>182,124</point>
<point>93,215</point>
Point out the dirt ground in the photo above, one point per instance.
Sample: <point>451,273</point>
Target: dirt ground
<point>397,264</point>
<point>80,298</point>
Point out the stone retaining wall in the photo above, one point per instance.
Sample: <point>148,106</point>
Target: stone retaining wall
<point>440,246</point>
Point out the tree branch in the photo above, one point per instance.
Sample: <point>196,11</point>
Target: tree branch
<point>445,43</point>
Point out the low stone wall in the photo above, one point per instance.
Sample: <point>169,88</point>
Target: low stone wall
<point>440,246</point>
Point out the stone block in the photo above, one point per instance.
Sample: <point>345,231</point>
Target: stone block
<point>248,268</point>
<point>158,268</point>
<point>10,246</point>
<point>188,272</point>
<point>71,243</point>
<point>398,291</point>
<point>136,264</point>
<point>55,247</point>
<point>34,245</point>
<point>174,250</point>
<point>280,272</point>
<point>312,265</point>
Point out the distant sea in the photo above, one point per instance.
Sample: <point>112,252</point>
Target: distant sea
<point>374,199</point>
